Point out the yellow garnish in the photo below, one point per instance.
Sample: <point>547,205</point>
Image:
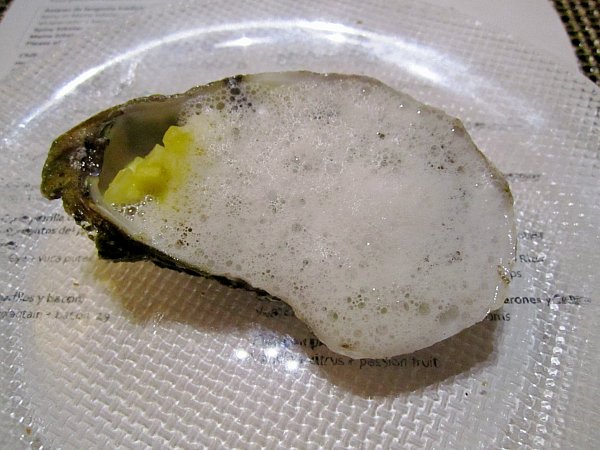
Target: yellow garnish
<point>161,171</point>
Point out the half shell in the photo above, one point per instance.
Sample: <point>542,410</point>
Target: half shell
<point>373,216</point>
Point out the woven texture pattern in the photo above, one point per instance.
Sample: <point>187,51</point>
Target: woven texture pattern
<point>582,21</point>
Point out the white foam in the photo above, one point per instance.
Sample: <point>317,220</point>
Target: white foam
<point>373,216</point>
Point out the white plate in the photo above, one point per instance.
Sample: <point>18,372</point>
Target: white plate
<point>97,354</point>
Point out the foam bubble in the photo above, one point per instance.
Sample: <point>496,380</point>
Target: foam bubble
<point>363,209</point>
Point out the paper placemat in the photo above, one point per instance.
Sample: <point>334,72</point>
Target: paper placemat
<point>98,354</point>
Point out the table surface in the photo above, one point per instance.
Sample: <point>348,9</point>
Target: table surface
<point>582,22</point>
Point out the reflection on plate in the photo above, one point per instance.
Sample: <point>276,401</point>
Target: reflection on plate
<point>131,355</point>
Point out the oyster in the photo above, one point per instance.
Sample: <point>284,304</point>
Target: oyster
<point>373,216</point>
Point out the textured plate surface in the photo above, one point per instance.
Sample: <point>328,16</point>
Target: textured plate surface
<point>96,354</point>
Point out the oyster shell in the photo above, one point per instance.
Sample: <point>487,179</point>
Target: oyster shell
<point>373,216</point>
